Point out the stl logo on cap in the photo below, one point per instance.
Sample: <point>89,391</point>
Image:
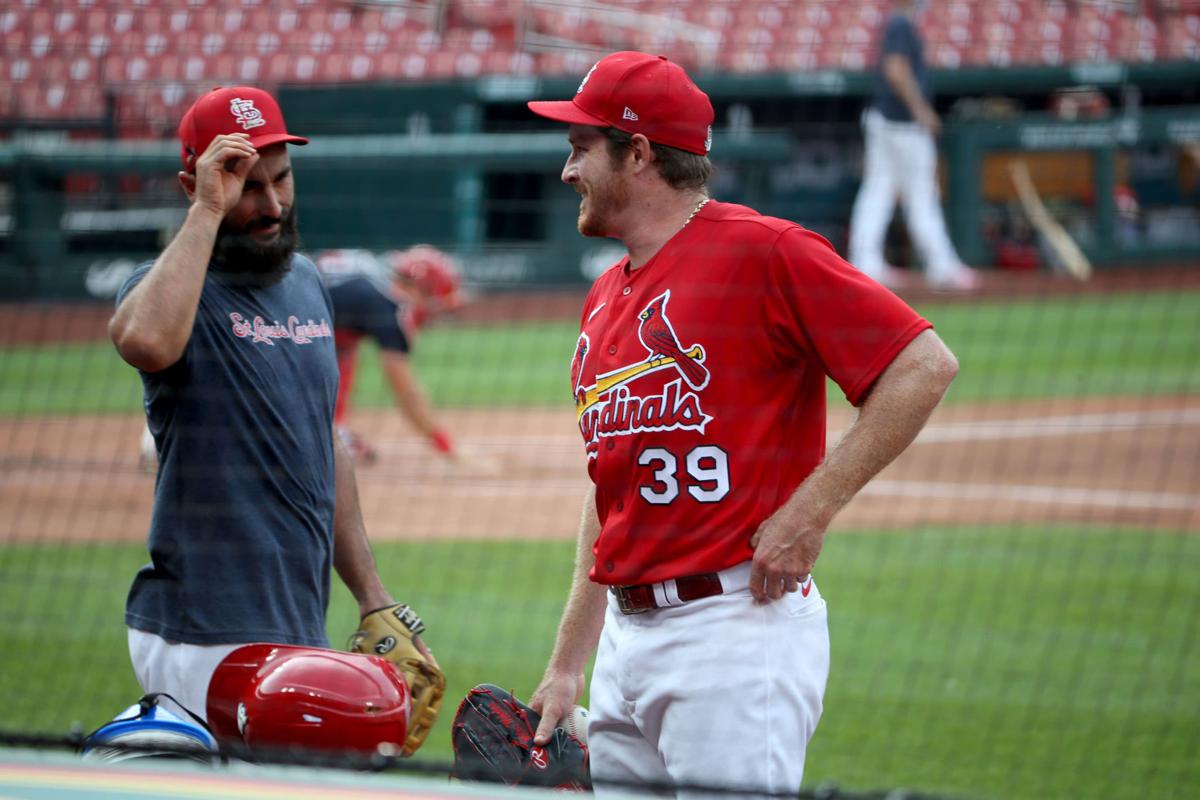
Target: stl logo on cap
<point>583,82</point>
<point>247,115</point>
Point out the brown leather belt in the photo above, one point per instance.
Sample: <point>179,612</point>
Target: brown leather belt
<point>641,598</point>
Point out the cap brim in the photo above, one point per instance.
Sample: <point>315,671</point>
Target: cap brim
<point>566,111</point>
<point>276,138</point>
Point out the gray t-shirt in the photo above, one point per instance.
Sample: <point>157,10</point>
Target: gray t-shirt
<point>241,536</point>
<point>899,37</point>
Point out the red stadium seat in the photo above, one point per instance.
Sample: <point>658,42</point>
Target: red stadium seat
<point>179,20</point>
<point>39,45</point>
<point>123,20</point>
<point>39,20</point>
<point>155,44</point>
<point>440,64</point>
<point>718,17</point>
<point>59,100</point>
<point>570,62</point>
<point>318,43</point>
<point>1182,39</point>
<point>389,66</point>
<point>795,59</point>
<point>1137,39</point>
<point>946,55</point>
<point>343,67</point>
<point>303,68</point>
<point>478,40</point>
<point>8,100</point>
<point>95,20</point>
<point>17,70</point>
<point>509,62</point>
<point>468,64</point>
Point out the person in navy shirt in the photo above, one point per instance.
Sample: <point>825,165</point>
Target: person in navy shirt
<point>900,162</point>
<point>232,334</point>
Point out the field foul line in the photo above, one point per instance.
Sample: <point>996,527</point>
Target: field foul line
<point>1053,495</point>
<point>1064,425</point>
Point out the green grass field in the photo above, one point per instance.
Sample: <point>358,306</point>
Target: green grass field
<point>1030,661</point>
<point>1088,345</point>
<point>1057,662</point>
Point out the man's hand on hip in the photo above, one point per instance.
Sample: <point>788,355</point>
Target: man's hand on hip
<point>785,550</point>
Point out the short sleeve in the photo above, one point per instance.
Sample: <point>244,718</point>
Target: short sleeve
<point>133,280</point>
<point>899,38</point>
<point>821,307</point>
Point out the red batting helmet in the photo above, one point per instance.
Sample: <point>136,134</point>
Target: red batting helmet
<point>434,273</point>
<point>271,697</point>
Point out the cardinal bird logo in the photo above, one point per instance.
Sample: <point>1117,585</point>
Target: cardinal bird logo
<point>581,350</point>
<point>659,338</point>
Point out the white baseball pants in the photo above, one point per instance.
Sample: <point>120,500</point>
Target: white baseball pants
<point>717,692</point>
<point>899,162</point>
<point>180,670</point>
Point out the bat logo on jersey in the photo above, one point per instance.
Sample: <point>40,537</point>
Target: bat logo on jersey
<point>581,351</point>
<point>246,113</point>
<point>609,408</point>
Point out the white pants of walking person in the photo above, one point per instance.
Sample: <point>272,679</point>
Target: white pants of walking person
<point>900,163</point>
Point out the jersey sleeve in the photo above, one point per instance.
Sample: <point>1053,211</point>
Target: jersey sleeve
<point>899,38</point>
<point>822,308</point>
<point>133,280</point>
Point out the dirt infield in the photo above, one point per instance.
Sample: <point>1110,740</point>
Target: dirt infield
<point>1098,461</point>
<point>1087,460</point>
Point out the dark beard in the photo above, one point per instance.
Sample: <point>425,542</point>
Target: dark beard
<point>238,253</point>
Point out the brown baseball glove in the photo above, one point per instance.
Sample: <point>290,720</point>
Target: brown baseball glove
<point>389,632</point>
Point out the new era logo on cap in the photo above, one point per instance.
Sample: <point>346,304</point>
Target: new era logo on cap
<point>235,109</point>
<point>671,110</point>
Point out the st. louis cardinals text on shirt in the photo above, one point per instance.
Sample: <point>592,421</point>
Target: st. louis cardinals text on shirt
<point>699,385</point>
<point>259,330</point>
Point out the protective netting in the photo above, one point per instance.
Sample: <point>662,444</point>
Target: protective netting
<point>1012,602</point>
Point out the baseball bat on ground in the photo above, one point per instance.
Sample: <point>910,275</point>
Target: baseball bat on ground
<point>1056,238</point>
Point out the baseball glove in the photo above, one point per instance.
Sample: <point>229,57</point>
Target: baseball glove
<point>389,632</point>
<point>493,741</point>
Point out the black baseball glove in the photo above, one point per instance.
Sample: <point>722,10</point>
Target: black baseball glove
<point>493,741</point>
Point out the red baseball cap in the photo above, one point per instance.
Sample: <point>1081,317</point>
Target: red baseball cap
<point>232,109</point>
<point>639,93</point>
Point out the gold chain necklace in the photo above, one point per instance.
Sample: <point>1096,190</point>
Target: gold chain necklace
<point>695,211</point>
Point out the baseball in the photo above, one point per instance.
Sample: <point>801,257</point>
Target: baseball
<point>577,723</point>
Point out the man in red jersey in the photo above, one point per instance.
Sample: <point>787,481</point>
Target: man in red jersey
<point>699,383</point>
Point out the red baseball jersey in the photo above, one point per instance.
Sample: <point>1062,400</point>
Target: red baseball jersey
<point>699,384</point>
